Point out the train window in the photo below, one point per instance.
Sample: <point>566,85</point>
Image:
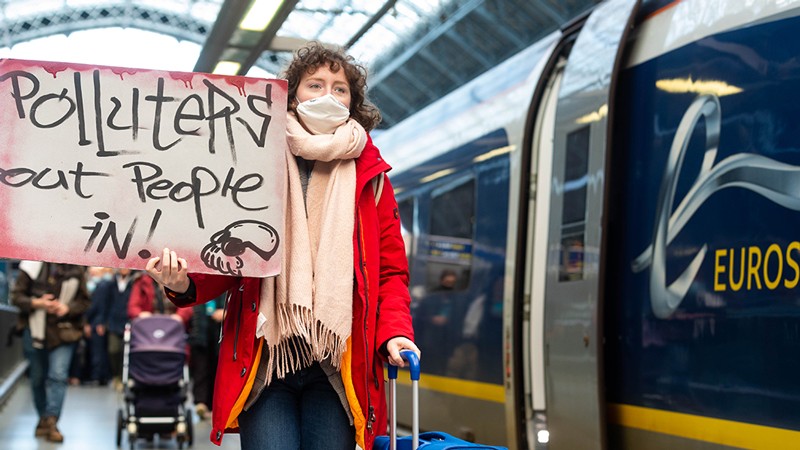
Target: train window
<point>573,215</point>
<point>406,209</point>
<point>452,218</point>
<point>452,211</point>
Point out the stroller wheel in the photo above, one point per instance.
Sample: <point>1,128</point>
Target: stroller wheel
<point>120,424</point>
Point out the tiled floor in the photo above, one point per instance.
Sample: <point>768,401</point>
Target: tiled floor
<point>88,422</point>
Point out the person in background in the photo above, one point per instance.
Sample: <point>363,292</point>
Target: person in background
<point>111,298</point>
<point>447,280</point>
<point>94,330</point>
<point>147,298</point>
<point>3,286</point>
<point>301,361</point>
<point>434,320</point>
<point>204,334</point>
<point>52,300</point>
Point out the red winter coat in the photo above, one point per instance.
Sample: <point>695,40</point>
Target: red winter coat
<point>380,311</point>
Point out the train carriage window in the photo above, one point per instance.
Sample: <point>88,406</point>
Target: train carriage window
<point>452,211</point>
<point>452,221</point>
<point>573,216</point>
<point>406,209</point>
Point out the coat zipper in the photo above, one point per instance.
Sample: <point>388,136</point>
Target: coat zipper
<point>370,408</point>
<point>238,323</point>
<point>228,298</point>
<point>375,345</point>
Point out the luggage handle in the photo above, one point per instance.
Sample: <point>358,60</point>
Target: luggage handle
<point>413,365</point>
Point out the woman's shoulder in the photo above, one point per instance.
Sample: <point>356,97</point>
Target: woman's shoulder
<point>370,161</point>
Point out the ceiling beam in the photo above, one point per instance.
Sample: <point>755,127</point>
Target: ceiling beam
<point>268,35</point>
<point>431,59</point>
<point>370,23</point>
<point>400,59</point>
<point>227,42</point>
<point>230,14</point>
<point>498,27</point>
<point>66,20</point>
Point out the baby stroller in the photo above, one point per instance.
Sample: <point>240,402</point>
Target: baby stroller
<point>155,380</point>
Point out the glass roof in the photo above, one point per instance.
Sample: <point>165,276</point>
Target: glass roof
<point>329,21</point>
<point>205,10</point>
<point>337,21</point>
<point>416,51</point>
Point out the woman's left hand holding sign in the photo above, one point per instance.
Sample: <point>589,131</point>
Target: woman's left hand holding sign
<point>171,273</point>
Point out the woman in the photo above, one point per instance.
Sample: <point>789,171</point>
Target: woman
<point>301,361</point>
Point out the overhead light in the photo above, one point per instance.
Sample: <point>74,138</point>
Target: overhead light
<point>688,85</point>
<point>492,153</point>
<point>437,175</point>
<point>260,15</point>
<point>227,68</point>
<point>594,116</point>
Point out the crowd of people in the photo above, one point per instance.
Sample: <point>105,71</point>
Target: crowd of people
<point>72,324</point>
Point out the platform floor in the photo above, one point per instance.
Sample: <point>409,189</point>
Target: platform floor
<point>88,421</point>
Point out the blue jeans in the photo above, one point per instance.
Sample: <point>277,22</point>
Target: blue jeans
<point>98,345</point>
<point>48,371</point>
<point>301,411</point>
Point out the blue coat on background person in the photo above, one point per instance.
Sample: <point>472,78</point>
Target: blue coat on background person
<point>113,310</point>
<point>111,300</point>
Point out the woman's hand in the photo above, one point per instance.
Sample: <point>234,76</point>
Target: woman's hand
<point>172,272</point>
<point>395,345</point>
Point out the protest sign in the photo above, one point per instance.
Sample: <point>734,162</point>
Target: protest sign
<point>107,166</point>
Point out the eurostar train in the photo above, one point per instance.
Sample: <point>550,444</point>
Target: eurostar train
<point>604,234</point>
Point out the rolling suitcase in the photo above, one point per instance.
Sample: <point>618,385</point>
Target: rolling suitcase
<point>432,440</point>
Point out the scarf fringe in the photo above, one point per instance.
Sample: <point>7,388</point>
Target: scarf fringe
<point>303,341</point>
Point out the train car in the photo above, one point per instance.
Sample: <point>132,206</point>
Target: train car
<point>601,234</point>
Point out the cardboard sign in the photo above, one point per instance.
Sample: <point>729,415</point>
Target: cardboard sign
<point>107,166</point>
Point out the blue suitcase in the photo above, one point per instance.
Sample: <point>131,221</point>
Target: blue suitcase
<point>432,440</point>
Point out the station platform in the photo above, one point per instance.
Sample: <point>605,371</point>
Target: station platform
<point>88,421</point>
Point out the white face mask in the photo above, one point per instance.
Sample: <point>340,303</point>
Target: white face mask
<point>322,115</point>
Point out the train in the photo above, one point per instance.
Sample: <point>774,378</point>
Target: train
<point>602,234</point>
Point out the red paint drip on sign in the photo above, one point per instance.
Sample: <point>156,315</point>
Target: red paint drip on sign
<point>121,71</point>
<point>183,76</point>
<point>53,67</point>
<point>234,80</point>
<point>238,82</point>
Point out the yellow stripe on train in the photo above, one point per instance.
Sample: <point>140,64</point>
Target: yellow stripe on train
<point>717,431</point>
<point>472,389</point>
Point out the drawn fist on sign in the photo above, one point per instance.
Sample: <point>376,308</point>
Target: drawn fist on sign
<point>223,252</point>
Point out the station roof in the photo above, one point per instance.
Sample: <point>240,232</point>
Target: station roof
<point>416,51</point>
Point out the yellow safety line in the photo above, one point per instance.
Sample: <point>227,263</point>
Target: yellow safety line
<point>473,389</point>
<point>718,431</point>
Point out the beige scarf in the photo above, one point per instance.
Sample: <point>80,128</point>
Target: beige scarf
<point>311,300</point>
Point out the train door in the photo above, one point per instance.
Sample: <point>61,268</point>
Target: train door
<point>566,403</point>
<point>533,345</point>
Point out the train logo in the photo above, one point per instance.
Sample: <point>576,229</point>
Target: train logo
<point>771,179</point>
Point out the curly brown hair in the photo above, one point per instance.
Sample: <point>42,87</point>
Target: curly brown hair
<point>313,55</point>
